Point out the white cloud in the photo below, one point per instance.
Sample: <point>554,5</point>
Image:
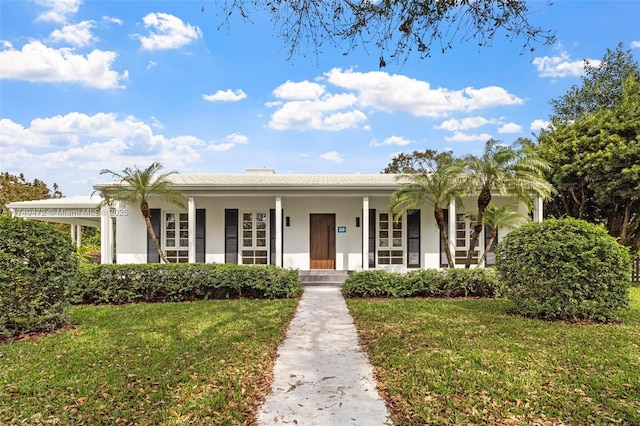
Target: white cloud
<point>58,10</point>
<point>343,120</point>
<point>229,142</point>
<point>391,140</point>
<point>332,156</point>
<point>538,124</point>
<point>634,44</point>
<point>237,138</point>
<point>487,97</point>
<point>155,123</point>
<point>510,128</point>
<point>167,32</point>
<point>561,65</point>
<point>464,124</point>
<point>226,96</point>
<point>382,91</point>
<point>39,63</point>
<point>75,34</point>
<point>80,142</point>
<point>309,106</point>
<point>299,90</point>
<point>14,134</point>
<point>151,64</point>
<point>320,114</point>
<point>464,137</point>
<point>112,20</point>
<point>72,126</point>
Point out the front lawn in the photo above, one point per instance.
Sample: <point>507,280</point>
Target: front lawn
<point>470,362</point>
<point>175,363</point>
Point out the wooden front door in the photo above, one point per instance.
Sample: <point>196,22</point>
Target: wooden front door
<point>323,241</point>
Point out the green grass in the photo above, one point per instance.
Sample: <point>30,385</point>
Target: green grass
<point>470,362</point>
<point>175,363</point>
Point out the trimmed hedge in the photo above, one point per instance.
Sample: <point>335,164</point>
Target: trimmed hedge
<point>477,282</point>
<point>564,269</point>
<point>120,284</point>
<point>37,264</point>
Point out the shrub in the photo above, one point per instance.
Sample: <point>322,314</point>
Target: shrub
<point>181,282</point>
<point>478,282</point>
<point>425,283</point>
<point>373,283</point>
<point>37,263</point>
<point>564,269</point>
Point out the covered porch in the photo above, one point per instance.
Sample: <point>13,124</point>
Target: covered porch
<point>78,212</point>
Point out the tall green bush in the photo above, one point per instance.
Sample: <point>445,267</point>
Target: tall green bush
<point>564,269</point>
<point>37,263</point>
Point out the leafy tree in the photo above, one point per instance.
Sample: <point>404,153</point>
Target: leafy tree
<point>600,87</point>
<point>426,161</point>
<point>504,217</point>
<point>509,169</point>
<point>438,187</point>
<point>396,28</point>
<point>18,188</point>
<point>139,186</point>
<point>593,147</point>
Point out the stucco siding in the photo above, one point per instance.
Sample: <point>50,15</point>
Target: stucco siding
<point>131,236</point>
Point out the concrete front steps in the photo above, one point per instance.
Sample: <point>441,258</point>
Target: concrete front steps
<point>322,277</point>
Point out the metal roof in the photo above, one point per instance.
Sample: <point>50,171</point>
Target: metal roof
<point>257,179</point>
<point>253,180</point>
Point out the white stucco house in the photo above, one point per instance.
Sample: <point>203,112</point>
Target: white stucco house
<point>300,221</point>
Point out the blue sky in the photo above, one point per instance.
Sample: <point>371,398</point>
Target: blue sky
<point>87,85</point>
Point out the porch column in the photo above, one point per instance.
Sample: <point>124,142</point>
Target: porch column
<point>106,236</point>
<point>365,233</point>
<point>73,234</point>
<point>191,205</point>
<point>452,229</point>
<point>538,210</point>
<point>78,235</point>
<point>279,232</point>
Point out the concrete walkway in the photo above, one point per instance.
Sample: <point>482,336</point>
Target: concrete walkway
<point>322,376</point>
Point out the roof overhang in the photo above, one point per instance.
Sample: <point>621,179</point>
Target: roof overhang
<point>83,211</point>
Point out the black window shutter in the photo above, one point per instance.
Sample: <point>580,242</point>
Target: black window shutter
<point>272,236</point>
<point>156,221</point>
<point>443,254</point>
<point>200,235</point>
<point>413,239</point>
<point>372,238</point>
<point>490,258</point>
<point>231,236</point>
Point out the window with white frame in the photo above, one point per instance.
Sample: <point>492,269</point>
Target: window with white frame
<point>254,249</point>
<point>464,227</point>
<point>176,237</point>
<point>390,240</point>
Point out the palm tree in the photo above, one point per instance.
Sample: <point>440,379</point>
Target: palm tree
<point>437,188</point>
<point>514,170</point>
<point>504,217</point>
<point>138,186</point>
